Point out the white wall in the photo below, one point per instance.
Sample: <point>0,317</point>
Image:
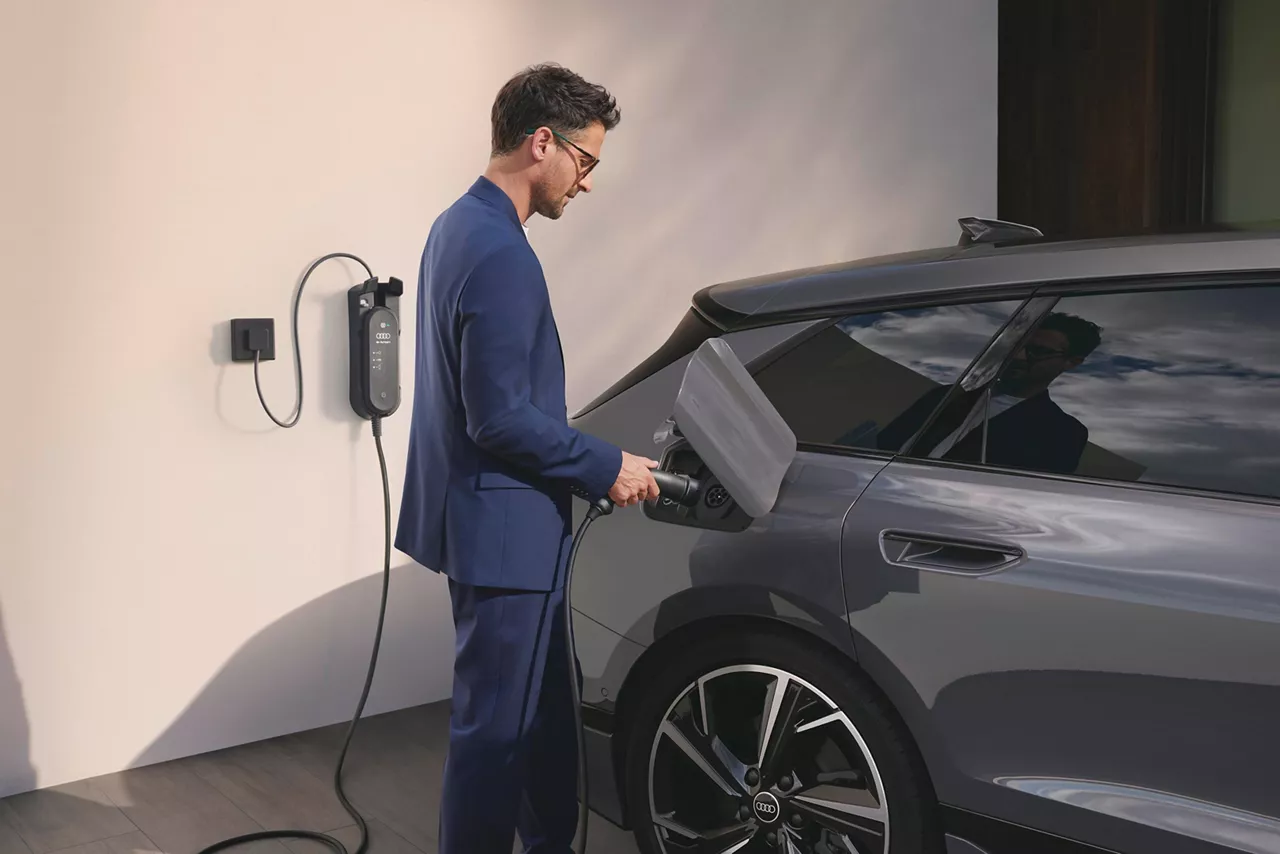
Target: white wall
<point>176,574</point>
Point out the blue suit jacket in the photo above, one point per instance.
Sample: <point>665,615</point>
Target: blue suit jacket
<point>492,463</point>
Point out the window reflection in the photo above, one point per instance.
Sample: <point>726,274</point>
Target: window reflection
<point>1025,426</point>
<point>845,384</point>
<point>1185,388</point>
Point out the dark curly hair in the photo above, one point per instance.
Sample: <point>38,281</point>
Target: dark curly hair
<point>1083,337</point>
<point>550,95</point>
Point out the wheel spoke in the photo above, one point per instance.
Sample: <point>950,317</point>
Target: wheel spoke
<point>712,758</point>
<point>769,717</point>
<point>724,840</point>
<point>834,717</point>
<point>840,811</point>
<point>782,731</point>
<point>702,705</point>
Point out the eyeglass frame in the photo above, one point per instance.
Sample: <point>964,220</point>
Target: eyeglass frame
<point>592,160</point>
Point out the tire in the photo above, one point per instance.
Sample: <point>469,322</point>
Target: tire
<point>714,794</point>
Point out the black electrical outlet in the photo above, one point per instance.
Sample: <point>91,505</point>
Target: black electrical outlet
<point>253,334</point>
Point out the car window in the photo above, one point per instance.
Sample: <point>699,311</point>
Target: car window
<point>869,380</point>
<point>1178,387</point>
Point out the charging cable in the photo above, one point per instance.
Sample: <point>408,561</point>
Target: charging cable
<point>332,843</point>
<point>679,488</point>
<point>297,353</point>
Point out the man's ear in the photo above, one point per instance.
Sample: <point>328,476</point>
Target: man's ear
<point>541,143</point>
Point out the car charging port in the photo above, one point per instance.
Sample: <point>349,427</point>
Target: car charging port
<point>713,507</point>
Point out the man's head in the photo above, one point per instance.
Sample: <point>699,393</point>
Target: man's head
<point>548,128</point>
<point>1060,343</point>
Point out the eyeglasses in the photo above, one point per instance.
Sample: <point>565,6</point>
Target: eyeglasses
<point>592,161</point>
<point>1037,353</point>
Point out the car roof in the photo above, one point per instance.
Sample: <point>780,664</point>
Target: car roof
<point>942,272</point>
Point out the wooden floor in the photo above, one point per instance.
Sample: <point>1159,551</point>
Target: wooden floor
<point>392,777</point>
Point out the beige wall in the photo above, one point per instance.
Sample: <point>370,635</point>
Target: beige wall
<point>176,574</point>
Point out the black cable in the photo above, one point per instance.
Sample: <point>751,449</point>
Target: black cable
<point>335,845</point>
<point>297,352</point>
<point>603,507</point>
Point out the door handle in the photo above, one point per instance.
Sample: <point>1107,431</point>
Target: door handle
<point>945,554</point>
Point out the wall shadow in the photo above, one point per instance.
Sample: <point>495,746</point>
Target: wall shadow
<point>313,660</point>
<point>16,771</point>
<point>302,672</point>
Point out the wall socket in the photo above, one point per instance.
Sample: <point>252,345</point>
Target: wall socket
<point>253,333</point>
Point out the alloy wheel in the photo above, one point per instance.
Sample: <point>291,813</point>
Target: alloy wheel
<point>754,759</point>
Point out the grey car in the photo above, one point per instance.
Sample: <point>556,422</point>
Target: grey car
<point>1020,591</point>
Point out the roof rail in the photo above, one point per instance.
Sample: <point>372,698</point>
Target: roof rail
<point>978,230</point>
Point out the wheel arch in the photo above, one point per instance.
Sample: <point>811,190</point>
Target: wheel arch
<point>690,633</point>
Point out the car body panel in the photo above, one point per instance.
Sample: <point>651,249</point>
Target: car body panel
<point>942,273</point>
<point>1115,688</point>
<point>1117,682</point>
<point>642,587</point>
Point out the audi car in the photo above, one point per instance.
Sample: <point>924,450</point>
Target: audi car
<point>1020,588</point>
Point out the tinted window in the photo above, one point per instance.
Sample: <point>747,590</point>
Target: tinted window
<point>851,383</point>
<point>1177,387</point>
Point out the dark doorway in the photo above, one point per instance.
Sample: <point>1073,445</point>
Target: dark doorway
<point>1107,115</point>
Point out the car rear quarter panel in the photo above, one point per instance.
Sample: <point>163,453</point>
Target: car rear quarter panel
<point>637,579</point>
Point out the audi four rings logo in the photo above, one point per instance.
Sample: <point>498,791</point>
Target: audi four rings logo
<point>766,807</point>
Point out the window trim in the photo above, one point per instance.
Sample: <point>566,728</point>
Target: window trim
<point>994,344</point>
<point>1225,281</point>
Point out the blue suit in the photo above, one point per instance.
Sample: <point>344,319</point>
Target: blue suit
<point>492,469</point>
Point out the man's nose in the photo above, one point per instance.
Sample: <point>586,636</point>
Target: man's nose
<point>585,184</point>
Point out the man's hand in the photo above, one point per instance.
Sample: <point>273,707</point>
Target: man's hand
<point>634,483</point>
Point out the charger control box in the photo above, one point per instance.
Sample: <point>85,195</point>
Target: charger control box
<point>374,325</point>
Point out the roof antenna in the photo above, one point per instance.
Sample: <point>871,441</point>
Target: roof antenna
<point>978,230</point>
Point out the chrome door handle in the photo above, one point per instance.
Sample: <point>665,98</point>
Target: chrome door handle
<point>946,554</point>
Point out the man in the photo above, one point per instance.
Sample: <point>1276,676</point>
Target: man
<point>1025,428</point>
<point>493,466</point>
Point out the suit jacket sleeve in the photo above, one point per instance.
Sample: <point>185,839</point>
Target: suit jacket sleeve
<point>499,309</point>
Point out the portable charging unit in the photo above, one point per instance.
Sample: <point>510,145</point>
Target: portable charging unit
<point>373,318</point>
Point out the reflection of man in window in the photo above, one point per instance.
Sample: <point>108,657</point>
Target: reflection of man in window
<point>1025,428</point>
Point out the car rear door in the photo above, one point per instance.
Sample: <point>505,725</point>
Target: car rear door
<point>1068,581</point>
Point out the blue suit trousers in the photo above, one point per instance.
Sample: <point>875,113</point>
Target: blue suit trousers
<point>512,764</point>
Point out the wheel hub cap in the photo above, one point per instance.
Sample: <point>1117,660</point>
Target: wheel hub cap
<point>766,808</point>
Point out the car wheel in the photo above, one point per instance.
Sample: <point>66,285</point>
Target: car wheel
<point>760,742</point>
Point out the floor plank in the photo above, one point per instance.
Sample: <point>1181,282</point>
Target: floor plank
<point>274,789</point>
<point>10,840</point>
<point>382,840</point>
<point>393,770</point>
<point>393,776</point>
<point>179,811</point>
<point>64,816</point>
<point>129,843</point>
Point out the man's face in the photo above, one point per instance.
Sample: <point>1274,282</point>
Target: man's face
<point>1038,362</point>
<point>566,171</point>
